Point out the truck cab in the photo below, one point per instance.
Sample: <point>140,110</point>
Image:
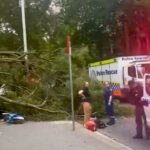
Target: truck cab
<point>134,73</point>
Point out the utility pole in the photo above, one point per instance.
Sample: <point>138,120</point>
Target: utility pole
<point>68,50</point>
<point>22,5</point>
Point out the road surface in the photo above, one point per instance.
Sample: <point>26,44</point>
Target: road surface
<point>123,131</point>
<point>54,136</point>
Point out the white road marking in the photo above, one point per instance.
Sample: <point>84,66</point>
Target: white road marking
<point>113,142</point>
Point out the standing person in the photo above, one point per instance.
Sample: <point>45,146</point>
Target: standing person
<point>137,94</point>
<point>108,100</point>
<point>86,101</point>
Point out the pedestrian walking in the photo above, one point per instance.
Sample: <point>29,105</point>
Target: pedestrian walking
<point>108,101</point>
<point>86,101</point>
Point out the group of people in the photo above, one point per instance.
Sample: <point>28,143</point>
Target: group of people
<point>136,94</point>
<point>86,102</point>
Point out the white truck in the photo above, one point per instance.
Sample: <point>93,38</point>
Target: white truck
<point>122,72</point>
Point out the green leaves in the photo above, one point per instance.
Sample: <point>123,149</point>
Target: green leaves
<point>91,25</point>
<point>93,22</point>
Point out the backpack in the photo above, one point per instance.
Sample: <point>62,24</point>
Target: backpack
<point>99,123</point>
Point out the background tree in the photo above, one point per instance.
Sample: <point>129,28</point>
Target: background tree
<point>92,23</point>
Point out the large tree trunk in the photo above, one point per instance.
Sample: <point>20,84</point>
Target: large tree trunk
<point>5,99</point>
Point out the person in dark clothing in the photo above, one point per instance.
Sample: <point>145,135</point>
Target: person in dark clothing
<point>86,101</point>
<point>107,95</point>
<point>136,94</point>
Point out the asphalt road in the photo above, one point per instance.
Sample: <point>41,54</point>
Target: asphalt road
<point>54,136</point>
<point>123,131</point>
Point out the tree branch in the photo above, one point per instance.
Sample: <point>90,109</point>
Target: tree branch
<point>5,99</point>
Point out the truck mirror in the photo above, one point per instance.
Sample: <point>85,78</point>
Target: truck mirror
<point>132,71</point>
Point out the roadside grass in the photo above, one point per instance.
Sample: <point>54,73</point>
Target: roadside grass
<point>123,109</point>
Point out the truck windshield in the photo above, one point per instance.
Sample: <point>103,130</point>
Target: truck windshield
<point>142,69</point>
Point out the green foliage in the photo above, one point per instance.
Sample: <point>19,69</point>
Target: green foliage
<point>41,24</point>
<point>52,72</point>
<point>89,23</point>
<point>125,110</point>
<point>93,22</point>
<point>97,98</point>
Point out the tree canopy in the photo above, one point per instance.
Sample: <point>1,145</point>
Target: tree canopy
<point>98,28</point>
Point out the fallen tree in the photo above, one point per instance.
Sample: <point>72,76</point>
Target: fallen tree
<point>5,99</point>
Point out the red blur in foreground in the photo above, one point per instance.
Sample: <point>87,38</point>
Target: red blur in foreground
<point>91,125</point>
<point>134,28</point>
